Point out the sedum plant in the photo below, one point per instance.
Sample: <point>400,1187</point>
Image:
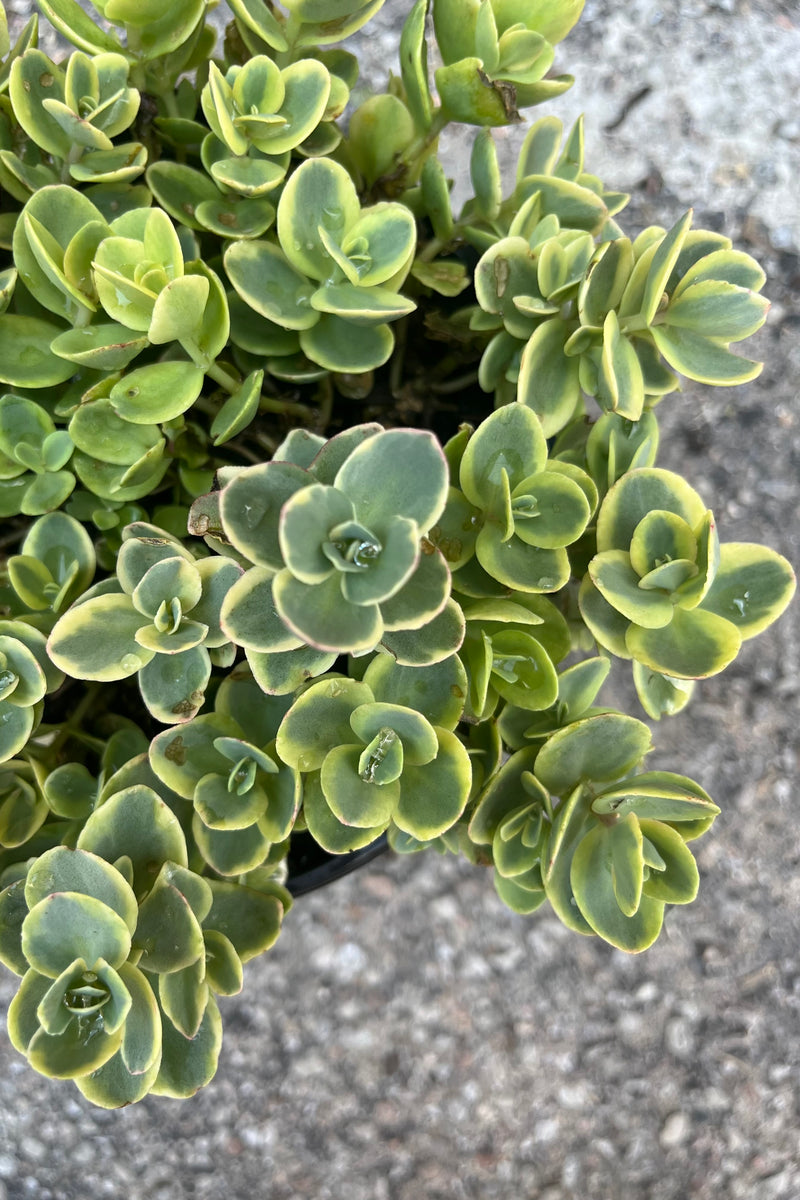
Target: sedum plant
<point>328,508</point>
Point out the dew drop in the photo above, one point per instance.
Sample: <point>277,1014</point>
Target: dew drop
<point>130,663</point>
<point>739,604</point>
<point>365,553</point>
<point>8,681</point>
<point>253,513</point>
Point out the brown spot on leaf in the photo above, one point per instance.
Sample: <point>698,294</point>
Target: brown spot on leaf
<point>176,751</point>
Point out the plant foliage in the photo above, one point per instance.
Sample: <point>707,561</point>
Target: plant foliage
<point>245,598</point>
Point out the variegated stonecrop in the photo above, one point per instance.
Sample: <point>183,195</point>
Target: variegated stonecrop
<point>235,606</point>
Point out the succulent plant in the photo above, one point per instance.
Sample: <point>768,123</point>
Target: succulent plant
<point>329,507</point>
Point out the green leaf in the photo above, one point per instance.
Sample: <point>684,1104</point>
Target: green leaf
<point>280,673</point>
<point>323,618</point>
<point>620,381</point>
<point>354,797</point>
<point>511,787</point>
<point>25,356</point>
<point>432,642</point>
<point>29,684</point>
<point>143,545</point>
<point>251,504</point>
<point>220,808</point>
<point>113,1085</point>
<point>180,189</point>
<point>694,645</point>
<point>34,79</point>
<point>167,580</point>
<point>338,344</point>
<point>69,925</point>
<point>394,566</point>
<point>182,758</point>
<point>659,795</point>
<point>248,918</point>
<point>104,347</point>
<point>548,378</point>
<point>660,695</point>
<point>434,795</point>
<point>307,87</point>
<point>701,358</point>
<point>256,16</point>
<point>571,822</point>
<point>249,616</point>
<point>318,721</point>
<point>268,282</point>
<point>173,684</point>
<point>663,261</point>
<point>65,870</point>
<point>616,580</point>
<point>223,965</point>
<point>397,472</point>
<point>521,894</point>
<point>437,692</point>
<point>370,720</point>
<point>189,1064</point>
<point>135,822</point>
<point>522,671</point>
<point>320,194</point>
<point>550,509</point>
<point>380,131</point>
<point>178,309</point>
<point>306,522</point>
<point>414,66</point>
<point>597,748</point>
<point>592,875</point>
<point>751,588</point>
<point>627,864</point>
<point>635,495</point>
<point>238,410</point>
<point>183,996</point>
<point>510,441</point>
<point>326,829</point>
<point>715,309</point>
<point>679,880</point>
<point>98,430</point>
<point>519,566</point>
<point>97,640</point>
<point>158,392</point>
<point>361,305</point>
<point>13,911</point>
<point>75,1052</point>
<point>168,933</point>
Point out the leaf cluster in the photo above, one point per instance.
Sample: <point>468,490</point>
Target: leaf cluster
<point>242,596</point>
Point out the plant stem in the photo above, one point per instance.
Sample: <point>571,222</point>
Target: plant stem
<point>223,378</point>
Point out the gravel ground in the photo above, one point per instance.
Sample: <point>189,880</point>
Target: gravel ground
<point>409,1037</point>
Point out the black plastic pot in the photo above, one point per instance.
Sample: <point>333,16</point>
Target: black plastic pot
<point>311,867</point>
